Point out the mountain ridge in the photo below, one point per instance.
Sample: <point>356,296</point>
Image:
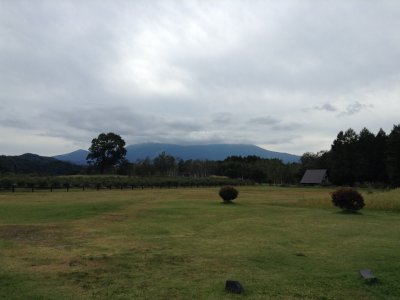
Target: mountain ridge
<point>77,157</point>
<point>30,163</point>
<point>202,152</point>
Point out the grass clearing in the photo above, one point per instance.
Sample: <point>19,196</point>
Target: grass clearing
<point>280,243</point>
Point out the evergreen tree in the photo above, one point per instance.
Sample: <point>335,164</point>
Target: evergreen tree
<point>366,154</point>
<point>343,158</point>
<point>393,156</point>
<point>380,157</point>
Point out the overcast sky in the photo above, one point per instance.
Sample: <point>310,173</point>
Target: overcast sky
<point>284,75</point>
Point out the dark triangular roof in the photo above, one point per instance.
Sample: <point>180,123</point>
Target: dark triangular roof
<point>314,176</point>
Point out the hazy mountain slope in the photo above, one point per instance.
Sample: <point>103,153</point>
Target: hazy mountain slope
<point>202,152</point>
<point>76,157</point>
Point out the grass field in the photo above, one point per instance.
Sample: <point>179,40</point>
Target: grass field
<point>280,243</point>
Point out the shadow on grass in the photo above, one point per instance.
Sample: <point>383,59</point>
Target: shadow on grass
<point>349,212</point>
<point>232,204</point>
<point>229,203</point>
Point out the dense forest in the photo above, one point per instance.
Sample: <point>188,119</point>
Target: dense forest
<point>36,165</point>
<point>250,167</point>
<point>363,158</point>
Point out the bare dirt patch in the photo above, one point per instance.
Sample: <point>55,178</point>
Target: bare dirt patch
<point>38,234</point>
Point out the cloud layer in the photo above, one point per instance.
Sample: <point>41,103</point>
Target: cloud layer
<point>285,75</point>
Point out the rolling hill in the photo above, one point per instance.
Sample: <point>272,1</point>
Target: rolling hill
<point>203,152</point>
<point>34,164</point>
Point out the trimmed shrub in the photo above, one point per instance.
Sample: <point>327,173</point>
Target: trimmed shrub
<point>228,193</point>
<point>348,199</point>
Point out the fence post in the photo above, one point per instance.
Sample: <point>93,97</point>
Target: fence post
<point>13,189</point>
<point>51,188</point>
<point>83,187</point>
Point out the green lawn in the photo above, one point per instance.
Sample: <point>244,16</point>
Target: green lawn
<point>280,243</point>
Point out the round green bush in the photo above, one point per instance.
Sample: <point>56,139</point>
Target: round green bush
<point>348,199</point>
<point>228,193</point>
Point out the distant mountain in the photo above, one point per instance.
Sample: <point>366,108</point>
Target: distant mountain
<point>76,157</point>
<point>185,152</point>
<point>203,152</point>
<point>34,164</point>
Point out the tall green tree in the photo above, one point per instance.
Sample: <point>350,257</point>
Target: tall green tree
<point>380,157</point>
<point>311,160</point>
<point>393,156</point>
<point>107,151</point>
<point>144,167</point>
<point>366,156</point>
<point>165,164</point>
<point>344,157</point>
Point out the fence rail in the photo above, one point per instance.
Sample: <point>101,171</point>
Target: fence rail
<point>67,188</point>
<point>32,189</point>
<point>33,183</point>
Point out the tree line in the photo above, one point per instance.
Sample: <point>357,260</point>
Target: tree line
<point>29,182</point>
<point>252,168</point>
<point>360,158</point>
<point>354,158</point>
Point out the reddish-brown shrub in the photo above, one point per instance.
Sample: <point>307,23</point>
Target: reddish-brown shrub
<point>348,199</point>
<point>228,193</point>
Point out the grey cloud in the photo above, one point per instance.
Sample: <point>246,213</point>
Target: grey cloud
<point>137,128</point>
<point>182,125</point>
<point>222,119</point>
<point>53,46</point>
<point>14,123</point>
<point>355,108</point>
<point>273,123</point>
<point>193,71</point>
<point>268,120</point>
<point>287,127</point>
<point>133,126</point>
<point>277,141</point>
<point>318,54</point>
<point>326,107</point>
<point>81,124</point>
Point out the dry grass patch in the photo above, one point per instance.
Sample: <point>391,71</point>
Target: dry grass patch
<point>44,235</point>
